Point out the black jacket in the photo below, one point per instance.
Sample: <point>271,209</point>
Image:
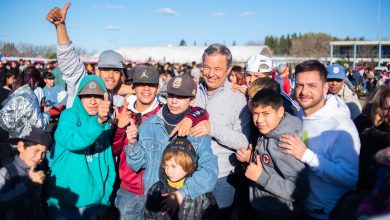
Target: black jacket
<point>202,207</point>
<point>372,140</point>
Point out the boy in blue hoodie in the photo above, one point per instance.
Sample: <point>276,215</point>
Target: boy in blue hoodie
<point>83,171</point>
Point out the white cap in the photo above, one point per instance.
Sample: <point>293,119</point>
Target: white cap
<point>258,64</point>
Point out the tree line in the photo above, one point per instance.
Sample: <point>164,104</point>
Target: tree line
<point>10,49</point>
<point>302,45</point>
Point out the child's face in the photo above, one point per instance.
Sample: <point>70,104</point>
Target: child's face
<point>91,103</point>
<point>178,104</point>
<point>266,118</point>
<point>174,171</point>
<point>49,82</point>
<point>32,155</point>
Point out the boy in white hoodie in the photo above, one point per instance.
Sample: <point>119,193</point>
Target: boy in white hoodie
<point>330,145</point>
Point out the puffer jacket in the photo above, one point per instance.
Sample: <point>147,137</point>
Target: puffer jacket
<point>20,111</point>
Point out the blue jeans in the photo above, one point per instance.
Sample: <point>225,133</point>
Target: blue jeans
<point>224,193</point>
<point>90,212</point>
<point>130,205</point>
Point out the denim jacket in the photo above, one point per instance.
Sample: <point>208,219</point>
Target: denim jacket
<point>147,154</point>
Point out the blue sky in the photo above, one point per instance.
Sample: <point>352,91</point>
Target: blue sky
<point>99,25</point>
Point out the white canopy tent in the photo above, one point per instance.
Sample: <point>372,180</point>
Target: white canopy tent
<point>186,54</point>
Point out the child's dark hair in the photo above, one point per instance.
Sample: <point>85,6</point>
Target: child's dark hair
<point>267,97</point>
<point>48,75</point>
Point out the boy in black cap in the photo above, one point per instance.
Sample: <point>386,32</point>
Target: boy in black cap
<point>20,182</point>
<point>145,154</point>
<point>178,163</point>
<point>140,106</point>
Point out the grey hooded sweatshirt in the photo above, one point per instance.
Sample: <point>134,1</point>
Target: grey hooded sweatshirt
<point>280,191</point>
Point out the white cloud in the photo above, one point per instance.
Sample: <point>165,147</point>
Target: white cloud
<point>217,14</point>
<point>109,6</point>
<point>247,14</point>
<point>168,11</point>
<point>112,28</point>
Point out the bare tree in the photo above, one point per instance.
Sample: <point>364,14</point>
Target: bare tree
<point>315,45</point>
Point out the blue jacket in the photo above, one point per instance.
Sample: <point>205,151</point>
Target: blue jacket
<point>147,154</point>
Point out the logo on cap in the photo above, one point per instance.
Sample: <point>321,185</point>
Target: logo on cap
<point>265,158</point>
<point>144,75</point>
<point>177,83</point>
<point>336,69</point>
<point>263,66</point>
<point>92,85</point>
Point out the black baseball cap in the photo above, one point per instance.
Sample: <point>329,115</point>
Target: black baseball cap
<point>36,135</point>
<point>184,145</point>
<point>145,74</point>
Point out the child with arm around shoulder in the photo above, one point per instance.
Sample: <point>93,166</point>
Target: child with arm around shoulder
<point>280,182</point>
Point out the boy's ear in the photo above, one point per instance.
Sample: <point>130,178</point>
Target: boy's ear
<point>280,112</point>
<point>20,146</point>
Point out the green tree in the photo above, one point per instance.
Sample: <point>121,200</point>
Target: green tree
<point>9,50</point>
<point>50,55</point>
<point>271,42</point>
<point>182,43</point>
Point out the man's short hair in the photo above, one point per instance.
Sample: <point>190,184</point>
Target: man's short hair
<point>312,65</point>
<point>267,97</point>
<point>219,49</point>
<point>263,83</point>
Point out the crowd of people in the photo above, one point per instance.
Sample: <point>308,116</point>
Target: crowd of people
<point>208,141</point>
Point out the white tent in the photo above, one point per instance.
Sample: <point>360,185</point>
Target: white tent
<point>186,54</point>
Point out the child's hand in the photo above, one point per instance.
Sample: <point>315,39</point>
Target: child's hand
<point>171,202</point>
<point>122,118</point>
<point>244,154</point>
<point>132,132</point>
<point>253,171</point>
<point>182,128</point>
<point>36,177</point>
<point>104,109</point>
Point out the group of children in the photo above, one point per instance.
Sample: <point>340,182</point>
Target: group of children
<point>82,175</point>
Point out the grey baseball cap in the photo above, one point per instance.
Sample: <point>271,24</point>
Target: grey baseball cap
<point>110,59</point>
<point>145,74</point>
<point>92,88</point>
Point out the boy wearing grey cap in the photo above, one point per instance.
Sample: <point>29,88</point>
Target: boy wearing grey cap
<point>110,63</point>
